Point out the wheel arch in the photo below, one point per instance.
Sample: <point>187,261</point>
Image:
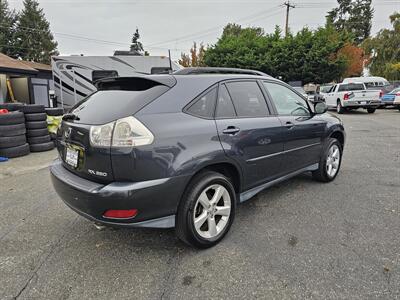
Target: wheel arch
<point>339,135</point>
<point>226,168</point>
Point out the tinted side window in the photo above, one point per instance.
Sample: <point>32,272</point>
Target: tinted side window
<point>286,101</point>
<point>225,107</point>
<point>247,99</point>
<point>204,105</point>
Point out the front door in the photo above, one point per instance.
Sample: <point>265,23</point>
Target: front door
<point>303,132</point>
<point>330,98</point>
<point>248,132</point>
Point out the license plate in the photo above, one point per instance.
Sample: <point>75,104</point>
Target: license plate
<point>363,102</point>
<point>71,157</point>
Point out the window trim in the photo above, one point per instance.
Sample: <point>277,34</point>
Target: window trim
<point>216,103</point>
<point>224,82</point>
<point>195,99</point>
<point>293,90</point>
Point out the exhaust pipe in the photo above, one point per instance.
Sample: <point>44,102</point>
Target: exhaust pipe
<point>99,226</point>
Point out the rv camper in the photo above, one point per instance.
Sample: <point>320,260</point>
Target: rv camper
<point>74,76</point>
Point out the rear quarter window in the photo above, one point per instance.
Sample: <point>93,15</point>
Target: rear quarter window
<point>204,105</point>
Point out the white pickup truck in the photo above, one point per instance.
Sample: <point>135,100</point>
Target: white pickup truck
<point>346,96</point>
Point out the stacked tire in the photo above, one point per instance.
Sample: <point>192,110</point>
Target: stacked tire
<point>12,135</point>
<point>11,106</point>
<point>36,128</point>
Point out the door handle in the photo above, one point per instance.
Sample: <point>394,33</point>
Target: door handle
<point>289,125</point>
<point>232,130</point>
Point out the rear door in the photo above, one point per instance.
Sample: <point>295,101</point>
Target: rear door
<point>302,131</point>
<point>248,132</point>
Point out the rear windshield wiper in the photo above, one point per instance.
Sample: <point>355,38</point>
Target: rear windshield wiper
<point>70,116</point>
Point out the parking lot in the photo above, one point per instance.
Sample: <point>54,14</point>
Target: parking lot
<point>300,239</point>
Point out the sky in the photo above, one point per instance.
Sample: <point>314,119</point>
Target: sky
<point>92,27</point>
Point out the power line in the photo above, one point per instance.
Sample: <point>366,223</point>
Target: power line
<point>181,39</point>
<point>212,29</point>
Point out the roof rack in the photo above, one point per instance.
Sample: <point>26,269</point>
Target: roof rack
<point>208,70</point>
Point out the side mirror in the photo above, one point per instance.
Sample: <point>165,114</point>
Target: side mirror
<point>320,108</point>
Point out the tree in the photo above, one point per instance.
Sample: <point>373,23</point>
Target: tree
<point>309,56</point>
<point>34,40</point>
<point>383,51</point>
<point>8,20</point>
<point>354,17</point>
<point>196,57</point>
<point>136,45</point>
<point>354,57</point>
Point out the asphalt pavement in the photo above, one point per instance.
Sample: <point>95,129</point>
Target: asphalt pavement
<point>299,239</point>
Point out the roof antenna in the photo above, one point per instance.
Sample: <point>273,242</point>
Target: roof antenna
<point>170,61</point>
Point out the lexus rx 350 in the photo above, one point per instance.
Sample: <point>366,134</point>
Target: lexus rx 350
<point>182,150</point>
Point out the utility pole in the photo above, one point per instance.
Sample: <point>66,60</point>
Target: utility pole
<point>288,7</point>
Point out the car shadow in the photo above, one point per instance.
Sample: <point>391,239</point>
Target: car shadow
<point>164,239</point>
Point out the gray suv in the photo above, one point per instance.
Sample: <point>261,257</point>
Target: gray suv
<point>182,150</point>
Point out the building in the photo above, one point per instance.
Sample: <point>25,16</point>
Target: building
<point>24,81</point>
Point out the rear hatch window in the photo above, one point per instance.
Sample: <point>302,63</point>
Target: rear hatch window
<point>118,98</point>
<point>351,87</point>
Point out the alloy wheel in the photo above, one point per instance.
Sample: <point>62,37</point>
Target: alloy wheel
<point>212,211</point>
<point>333,161</point>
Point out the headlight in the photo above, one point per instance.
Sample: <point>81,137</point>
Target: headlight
<point>126,132</point>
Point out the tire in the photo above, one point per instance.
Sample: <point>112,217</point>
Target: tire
<point>39,139</point>
<point>12,141</point>
<point>190,206</point>
<point>36,125</point>
<point>33,108</point>
<point>339,108</point>
<point>12,130</point>
<point>322,173</point>
<point>55,111</point>
<point>11,106</point>
<point>371,110</point>
<point>36,132</point>
<point>42,147</point>
<point>15,151</point>
<point>12,118</point>
<point>35,117</point>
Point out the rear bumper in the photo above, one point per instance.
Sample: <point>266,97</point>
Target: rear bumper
<point>387,103</point>
<point>156,200</point>
<point>360,104</point>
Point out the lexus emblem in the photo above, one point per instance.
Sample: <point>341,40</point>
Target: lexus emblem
<point>67,132</point>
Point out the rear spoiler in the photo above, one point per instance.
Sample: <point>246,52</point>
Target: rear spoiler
<point>135,82</point>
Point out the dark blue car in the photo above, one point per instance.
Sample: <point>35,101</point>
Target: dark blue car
<point>182,150</point>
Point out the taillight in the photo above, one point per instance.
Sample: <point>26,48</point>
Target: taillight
<point>126,132</point>
<point>120,213</point>
<point>346,96</point>
<point>380,94</point>
<point>398,94</point>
